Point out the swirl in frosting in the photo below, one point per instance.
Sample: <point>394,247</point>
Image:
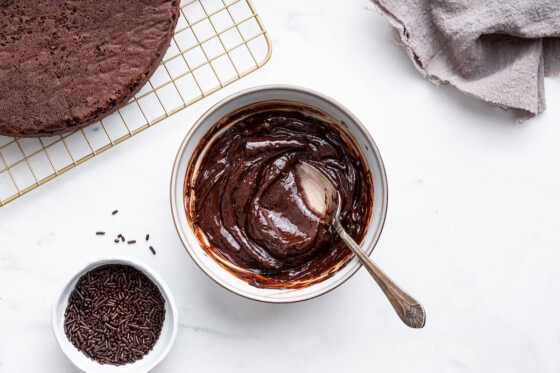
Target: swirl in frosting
<point>246,203</point>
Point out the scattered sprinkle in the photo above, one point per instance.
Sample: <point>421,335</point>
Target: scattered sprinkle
<point>121,238</point>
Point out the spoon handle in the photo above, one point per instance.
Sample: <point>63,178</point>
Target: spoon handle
<point>409,310</point>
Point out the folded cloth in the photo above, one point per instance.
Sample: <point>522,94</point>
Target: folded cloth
<point>496,50</point>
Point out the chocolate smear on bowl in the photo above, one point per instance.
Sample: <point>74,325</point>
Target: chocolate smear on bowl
<point>245,205</point>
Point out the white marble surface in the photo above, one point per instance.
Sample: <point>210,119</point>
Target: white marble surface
<point>472,229</point>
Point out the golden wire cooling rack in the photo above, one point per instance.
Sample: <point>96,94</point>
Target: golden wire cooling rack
<point>216,42</point>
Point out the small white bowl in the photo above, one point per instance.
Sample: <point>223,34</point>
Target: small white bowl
<point>152,358</point>
<point>298,96</point>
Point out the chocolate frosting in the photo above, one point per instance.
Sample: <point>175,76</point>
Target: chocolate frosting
<point>248,207</point>
<point>67,64</point>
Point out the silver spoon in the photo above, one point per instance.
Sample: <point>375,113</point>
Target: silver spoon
<point>324,200</point>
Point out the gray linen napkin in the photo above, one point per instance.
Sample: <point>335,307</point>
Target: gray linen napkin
<point>496,50</point>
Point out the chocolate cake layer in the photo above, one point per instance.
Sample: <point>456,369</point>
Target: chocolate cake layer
<point>67,64</point>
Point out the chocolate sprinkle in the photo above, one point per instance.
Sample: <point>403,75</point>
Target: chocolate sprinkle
<point>114,315</point>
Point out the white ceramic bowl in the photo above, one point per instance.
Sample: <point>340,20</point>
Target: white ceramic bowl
<point>152,358</point>
<point>299,96</point>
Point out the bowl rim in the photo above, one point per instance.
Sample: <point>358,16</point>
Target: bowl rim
<point>177,206</point>
<point>80,360</point>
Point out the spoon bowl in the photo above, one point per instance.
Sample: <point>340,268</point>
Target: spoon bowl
<point>323,198</point>
<point>208,127</point>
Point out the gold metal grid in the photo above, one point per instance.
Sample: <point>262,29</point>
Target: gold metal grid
<point>216,42</point>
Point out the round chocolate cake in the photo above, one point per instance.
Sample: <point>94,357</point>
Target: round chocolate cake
<point>67,64</point>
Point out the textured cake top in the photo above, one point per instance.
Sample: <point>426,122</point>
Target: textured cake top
<point>67,64</point>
